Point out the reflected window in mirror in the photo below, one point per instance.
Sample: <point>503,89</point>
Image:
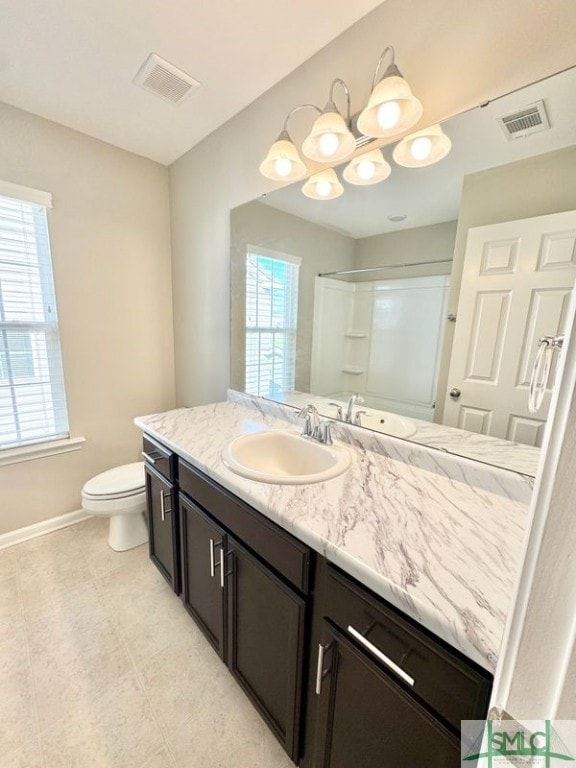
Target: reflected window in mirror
<point>271,321</point>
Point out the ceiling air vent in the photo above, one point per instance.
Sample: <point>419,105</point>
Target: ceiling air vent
<point>165,80</point>
<point>531,119</point>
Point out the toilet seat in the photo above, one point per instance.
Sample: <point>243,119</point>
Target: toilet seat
<point>118,483</point>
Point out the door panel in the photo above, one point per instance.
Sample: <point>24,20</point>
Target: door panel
<point>203,578</point>
<point>267,643</point>
<point>163,526</point>
<point>516,287</point>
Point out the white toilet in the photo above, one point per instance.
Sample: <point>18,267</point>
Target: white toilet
<point>120,494</point>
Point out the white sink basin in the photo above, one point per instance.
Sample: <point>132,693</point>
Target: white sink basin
<point>389,423</point>
<point>285,457</point>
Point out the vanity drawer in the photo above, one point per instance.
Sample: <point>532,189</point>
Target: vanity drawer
<point>161,458</point>
<point>452,686</point>
<point>288,556</point>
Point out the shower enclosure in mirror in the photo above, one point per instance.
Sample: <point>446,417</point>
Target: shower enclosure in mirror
<point>426,294</point>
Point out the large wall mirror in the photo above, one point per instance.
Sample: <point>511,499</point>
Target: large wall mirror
<point>426,294</point>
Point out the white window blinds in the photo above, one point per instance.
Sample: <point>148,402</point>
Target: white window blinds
<point>271,321</point>
<point>32,398</point>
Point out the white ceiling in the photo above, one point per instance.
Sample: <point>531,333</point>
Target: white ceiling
<point>73,61</point>
<point>431,195</point>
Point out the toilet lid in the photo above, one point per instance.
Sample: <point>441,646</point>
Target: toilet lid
<point>129,477</point>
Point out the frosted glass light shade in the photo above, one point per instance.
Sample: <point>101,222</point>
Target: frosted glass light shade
<point>392,109</point>
<point>283,163</point>
<point>369,168</point>
<point>330,140</point>
<point>323,186</point>
<point>422,148</point>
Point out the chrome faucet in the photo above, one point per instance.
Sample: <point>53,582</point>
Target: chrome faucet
<point>314,428</point>
<point>352,401</point>
<point>312,421</point>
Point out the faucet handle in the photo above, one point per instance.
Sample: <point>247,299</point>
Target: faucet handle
<point>325,431</point>
<point>358,418</point>
<point>339,411</point>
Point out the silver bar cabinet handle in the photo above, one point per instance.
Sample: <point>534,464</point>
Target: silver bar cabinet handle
<point>319,668</point>
<point>162,507</point>
<point>381,656</point>
<point>149,458</point>
<point>222,559</point>
<point>212,565</point>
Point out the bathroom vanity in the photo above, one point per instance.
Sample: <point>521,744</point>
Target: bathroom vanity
<point>345,609</point>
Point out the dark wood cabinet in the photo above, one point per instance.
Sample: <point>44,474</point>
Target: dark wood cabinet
<point>367,718</point>
<point>266,642</point>
<point>382,690</point>
<point>342,678</point>
<point>204,584</point>
<point>163,526</point>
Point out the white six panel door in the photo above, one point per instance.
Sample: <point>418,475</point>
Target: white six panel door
<point>516,287</point>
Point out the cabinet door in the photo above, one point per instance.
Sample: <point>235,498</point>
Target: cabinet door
<point>368,718</point>
<point>203,573</point>
<point>266,643</point>
<point>163,526</point>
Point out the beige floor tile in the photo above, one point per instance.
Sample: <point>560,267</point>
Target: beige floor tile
<point>100,557</point>
<point>13,645</point>
<point>114,731</point>
<point>161,759</point>
<point>81,666</point>
<point>76,611</point>
<point>181,679</point>
<point>10,605</point>
<point>17,720</point>
<point>8,563</point>
<point>61,541</point>
<point>153,621</point>
<point>223,733</point>
<point>28,757</point>
<point>51,574</point>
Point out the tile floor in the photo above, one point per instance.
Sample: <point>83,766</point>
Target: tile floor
<point>101,666</point>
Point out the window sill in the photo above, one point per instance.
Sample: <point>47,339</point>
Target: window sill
<point>40,450</point>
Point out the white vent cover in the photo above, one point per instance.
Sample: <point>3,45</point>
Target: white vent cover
<point>530,119</point>
<point>164,79</point>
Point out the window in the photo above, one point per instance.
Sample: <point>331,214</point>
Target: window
<point>271,318</point>
<point>32,399</point>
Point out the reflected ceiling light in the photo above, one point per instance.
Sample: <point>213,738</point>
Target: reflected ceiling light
<point>392,107</point>
<point>422,148</point>
<point>283,161</point>
<point>323,186</point>
<point>369,168</point>
<point>330,139</point>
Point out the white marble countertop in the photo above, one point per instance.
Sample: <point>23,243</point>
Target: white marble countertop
<point>441,541</point>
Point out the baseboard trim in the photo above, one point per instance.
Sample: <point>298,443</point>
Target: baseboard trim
<point>44,526</point>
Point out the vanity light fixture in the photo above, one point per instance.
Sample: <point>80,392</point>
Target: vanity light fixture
<point>330,139</point>
<point>392,107</point>
<point>422,148</point>
<point>324,185</point>
<point>283,161</point>
<point>369,168</point>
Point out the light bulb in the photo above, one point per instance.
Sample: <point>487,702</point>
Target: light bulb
<point>388,115</point>
<point>283,166</point>
<point>366,169</point>
<point>420,148</point>
<point>328,144</point>
<point>323,188</point>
